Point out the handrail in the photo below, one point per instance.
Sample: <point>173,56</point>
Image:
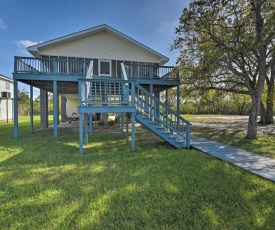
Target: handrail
<point>158,111</point>
<point>90,71</point>
<point>124,75</point>
<point>161,113</point>
<point>89,75</point>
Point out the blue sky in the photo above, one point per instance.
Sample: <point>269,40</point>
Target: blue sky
<point>27,22</point>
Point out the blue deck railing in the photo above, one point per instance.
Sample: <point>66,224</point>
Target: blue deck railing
<point>51,66</point>
<point>151,72</point>
<point>104,92</point>
<point>54,66</point>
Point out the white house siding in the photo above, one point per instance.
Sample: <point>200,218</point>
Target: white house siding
<point>102,45</point>
<point>71,106</point>
<point>6,104</point>
<point>71,103</point>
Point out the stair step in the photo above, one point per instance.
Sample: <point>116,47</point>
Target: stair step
<point>166,131</point>
<point>180,141</point>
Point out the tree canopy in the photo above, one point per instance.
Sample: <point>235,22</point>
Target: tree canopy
<point>228,45</point>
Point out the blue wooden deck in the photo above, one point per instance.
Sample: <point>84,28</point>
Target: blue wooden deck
<point>252,162</point>
<point>131,91</point>
<point>127,96</point>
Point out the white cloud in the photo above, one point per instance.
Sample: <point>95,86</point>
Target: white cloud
<point>23,44</point>
<point>2,24</point>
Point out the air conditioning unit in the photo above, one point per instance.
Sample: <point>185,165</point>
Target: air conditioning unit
<point>6,94</point>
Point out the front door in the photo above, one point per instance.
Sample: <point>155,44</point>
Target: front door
<point>105,67</point>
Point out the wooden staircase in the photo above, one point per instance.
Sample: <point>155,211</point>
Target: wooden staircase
<point>165,134</point>
<point>159,118</point>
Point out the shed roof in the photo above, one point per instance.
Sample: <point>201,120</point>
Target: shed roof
<point>6,78</point>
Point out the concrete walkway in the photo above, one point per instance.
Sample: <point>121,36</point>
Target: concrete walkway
<point>255,163</point>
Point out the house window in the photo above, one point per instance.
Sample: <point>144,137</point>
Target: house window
<point>7,87</point>
<point>105,67</point>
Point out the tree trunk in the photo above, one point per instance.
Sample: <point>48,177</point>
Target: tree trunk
<point>257,95</point>
<point>270,95</point>
<point>267,114</point>
<point>269,110</point>
<point>262,114</point>
<point>252,120</point>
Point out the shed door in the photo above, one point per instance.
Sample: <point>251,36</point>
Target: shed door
<point>105,68</point>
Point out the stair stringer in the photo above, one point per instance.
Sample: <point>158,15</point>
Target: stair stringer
<point>159,118</point>
<point>160,131</point>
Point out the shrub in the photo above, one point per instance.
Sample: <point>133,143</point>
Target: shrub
<point>111,123</point>
<point>100,122</point>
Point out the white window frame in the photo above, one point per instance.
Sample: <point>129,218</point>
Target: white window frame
<point>99,67</point>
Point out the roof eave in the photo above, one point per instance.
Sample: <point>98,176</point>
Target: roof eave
<point>6,78</point>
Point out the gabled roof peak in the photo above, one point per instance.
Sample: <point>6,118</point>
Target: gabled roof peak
<point>34,50</point>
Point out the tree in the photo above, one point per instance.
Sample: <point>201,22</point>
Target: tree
<point>50,103</point>
<point>36,105</point>
<point>23,102</point>
<point>226,45</point>
<point>267,112</point>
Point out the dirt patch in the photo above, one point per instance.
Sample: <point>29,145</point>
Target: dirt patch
<point>233,123</point>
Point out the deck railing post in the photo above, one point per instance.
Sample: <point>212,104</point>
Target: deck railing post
<point>55,108</point>
<point>90,123</point>
<point>81,133</point>
<point>54,65</point>
<point>127,128</point>
<point>31,109</point>
<point>188,136</point>
<point>80,116</point>
<point>86,128</point>
<point>80,94</point>
<point>15,65</point>
<point>151,72</point>
<point>15,101</point>
<point>133,94</point>
<point>133,132</point>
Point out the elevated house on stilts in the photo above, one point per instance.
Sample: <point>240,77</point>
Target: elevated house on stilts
<point>101,70</point>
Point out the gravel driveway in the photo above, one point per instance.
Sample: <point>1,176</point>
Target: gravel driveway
<point>237,123</point>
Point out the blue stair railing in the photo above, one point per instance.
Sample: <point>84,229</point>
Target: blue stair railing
<point>158,112</point>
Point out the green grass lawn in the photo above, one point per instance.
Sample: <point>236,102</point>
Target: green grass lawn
<point>46,184</point>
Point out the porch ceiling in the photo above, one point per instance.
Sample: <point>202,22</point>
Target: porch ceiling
<point>63,87</point>
<point>71,87</point>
